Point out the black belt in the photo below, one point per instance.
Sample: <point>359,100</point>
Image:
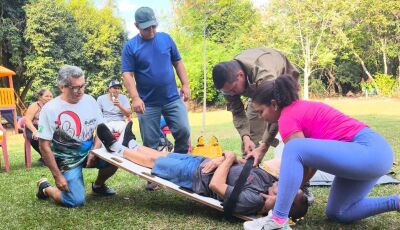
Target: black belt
<point>230,203</point>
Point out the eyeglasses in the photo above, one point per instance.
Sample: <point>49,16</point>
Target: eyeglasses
<point>149,28</point>
<point>229,88</point>
<point>75,89</point>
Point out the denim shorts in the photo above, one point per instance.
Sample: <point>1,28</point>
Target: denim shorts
<point>177,168</point>
<point>76,195</point>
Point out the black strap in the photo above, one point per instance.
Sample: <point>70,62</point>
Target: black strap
<point>230,204</point>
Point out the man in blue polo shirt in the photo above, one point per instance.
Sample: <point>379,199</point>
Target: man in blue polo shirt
<point>147,68</point>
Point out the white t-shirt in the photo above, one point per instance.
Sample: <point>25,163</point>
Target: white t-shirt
<point>110,111</point>
<point>70,128</point>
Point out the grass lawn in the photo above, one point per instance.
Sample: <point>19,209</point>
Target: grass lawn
<point>135,208</point>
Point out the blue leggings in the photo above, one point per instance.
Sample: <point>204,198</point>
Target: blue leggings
<point>357,165</point>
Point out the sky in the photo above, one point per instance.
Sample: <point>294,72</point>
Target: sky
<point>162,8</point>
<point>126,10</point>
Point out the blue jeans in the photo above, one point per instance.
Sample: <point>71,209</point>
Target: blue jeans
<point>177,168</point>
<point>76,195</point>
<point>175,114</point>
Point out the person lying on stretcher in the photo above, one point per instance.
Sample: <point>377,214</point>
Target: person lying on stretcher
<point>213,178</point>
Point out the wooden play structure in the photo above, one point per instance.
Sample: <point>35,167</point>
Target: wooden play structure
<point>7,98</point>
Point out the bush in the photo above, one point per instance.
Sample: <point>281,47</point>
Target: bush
<point>385,84</point>
<point>317,88</point>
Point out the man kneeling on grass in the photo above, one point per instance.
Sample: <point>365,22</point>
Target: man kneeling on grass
<point>66,127</point>
<point>207,177</point>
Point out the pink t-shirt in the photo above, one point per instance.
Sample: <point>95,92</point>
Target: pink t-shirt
<point>317,120</point>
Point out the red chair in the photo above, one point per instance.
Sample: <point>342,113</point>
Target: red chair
<point>3,143</point>
<point>27,149</point>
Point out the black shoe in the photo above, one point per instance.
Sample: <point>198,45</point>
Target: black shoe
<point>151,186</point>
<point>128,134</point>
<point>41,162</point>
<point>105,136</point>
<point>103,190</point>
<point>310,196</point>
<point>41,185</point>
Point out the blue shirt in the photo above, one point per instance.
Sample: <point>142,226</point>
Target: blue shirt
<point>151,62</point>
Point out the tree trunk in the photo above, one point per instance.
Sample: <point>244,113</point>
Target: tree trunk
<point>307,69</point>
<point>363,66</point>
<point>340,90</point>
<point>385,67</point>
<point>331,83</point>
<point>398,68</point>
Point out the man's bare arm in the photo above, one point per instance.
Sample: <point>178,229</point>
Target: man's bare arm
<point>130,85</point>
<point>48,157</point>
<point>218,181</point>
<point>183,77</point>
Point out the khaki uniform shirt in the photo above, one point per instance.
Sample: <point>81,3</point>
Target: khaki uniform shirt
<point>258,64</point>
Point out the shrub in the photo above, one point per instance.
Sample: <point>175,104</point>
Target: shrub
<point>317,88</point>
<point>385,84</point>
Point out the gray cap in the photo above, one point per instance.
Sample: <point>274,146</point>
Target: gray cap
<point>144,17</point>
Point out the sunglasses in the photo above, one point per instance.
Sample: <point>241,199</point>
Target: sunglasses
<point>149,28</point>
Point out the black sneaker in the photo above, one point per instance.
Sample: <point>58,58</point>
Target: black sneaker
<point>105,136</point>
<point>128,134</point>
<point>41,162</point>
<point>41,185</point>
<point>103,190</point>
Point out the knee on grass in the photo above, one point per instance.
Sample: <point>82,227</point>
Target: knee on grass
<point>74,200</point>
<point>339,216</point>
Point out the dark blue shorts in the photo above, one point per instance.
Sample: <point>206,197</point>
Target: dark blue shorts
<point>177,168</point>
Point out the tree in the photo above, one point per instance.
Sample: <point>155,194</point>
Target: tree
<point>54,40</point>
<point>103,36</point>
<point>305,30</point>
<point>228,27</point>
<point>12,45</point>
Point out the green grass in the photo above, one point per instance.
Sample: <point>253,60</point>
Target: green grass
<point>134,208</point>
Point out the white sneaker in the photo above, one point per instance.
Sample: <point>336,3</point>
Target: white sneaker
<point>265,223</point>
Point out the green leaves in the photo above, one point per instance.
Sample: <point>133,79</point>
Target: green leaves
<point>39,36</point>
<point>229,27</point>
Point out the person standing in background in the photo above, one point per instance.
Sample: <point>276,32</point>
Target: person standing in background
<point>148,63</point>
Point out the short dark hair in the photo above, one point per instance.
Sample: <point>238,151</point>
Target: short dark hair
<point>284,90</point>
<point>299,207</point>
<point>225,72</point>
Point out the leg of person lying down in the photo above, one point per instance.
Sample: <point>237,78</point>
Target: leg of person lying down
<point>213,178</point>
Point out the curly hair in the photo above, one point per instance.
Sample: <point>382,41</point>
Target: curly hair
<point>299,207</point>
<point>284,90</point>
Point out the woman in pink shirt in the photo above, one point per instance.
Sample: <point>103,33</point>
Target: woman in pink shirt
<point>319,137</point>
